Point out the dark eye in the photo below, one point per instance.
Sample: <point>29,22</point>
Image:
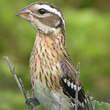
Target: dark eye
<point>42,11</point>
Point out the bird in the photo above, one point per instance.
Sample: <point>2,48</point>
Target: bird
<point>53,76</point>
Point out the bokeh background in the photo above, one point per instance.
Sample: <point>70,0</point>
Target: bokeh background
<point>88,42</point>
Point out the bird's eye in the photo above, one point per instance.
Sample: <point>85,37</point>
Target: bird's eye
<point>42,11</point>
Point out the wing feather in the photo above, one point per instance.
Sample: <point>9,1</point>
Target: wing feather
<point>67,82</point>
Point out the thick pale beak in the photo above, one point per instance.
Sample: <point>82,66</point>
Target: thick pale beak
<point>25,13</point>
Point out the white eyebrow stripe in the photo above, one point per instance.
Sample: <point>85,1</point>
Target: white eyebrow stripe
<point>50,9</point>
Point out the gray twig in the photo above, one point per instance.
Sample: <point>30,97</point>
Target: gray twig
<point>77,85</point>
<point>18,81</point>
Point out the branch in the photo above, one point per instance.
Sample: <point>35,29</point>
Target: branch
<point>77,85</point>
<point>19,82</point>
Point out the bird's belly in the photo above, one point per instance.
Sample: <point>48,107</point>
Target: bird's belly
<point>49,99</point>
<point>45,97</point>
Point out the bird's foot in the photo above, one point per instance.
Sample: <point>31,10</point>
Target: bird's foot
<point>32,102</point>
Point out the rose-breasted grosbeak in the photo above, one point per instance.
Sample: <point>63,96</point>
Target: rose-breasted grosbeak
<point>53,76</point>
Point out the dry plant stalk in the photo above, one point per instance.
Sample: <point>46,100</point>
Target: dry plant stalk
<point>77,85</point>
<point>19,82</point>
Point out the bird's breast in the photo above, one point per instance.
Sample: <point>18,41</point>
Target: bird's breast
<point>44,63</point>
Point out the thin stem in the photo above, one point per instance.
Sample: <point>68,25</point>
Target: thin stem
<point>77,85</point>
<point>18,81</point>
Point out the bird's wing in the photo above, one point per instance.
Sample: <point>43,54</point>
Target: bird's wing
<point>67,82</point>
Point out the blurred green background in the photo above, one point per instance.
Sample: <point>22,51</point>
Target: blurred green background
<point>88,42</point>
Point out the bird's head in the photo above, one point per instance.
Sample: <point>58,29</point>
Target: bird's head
<point>43,16</point>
